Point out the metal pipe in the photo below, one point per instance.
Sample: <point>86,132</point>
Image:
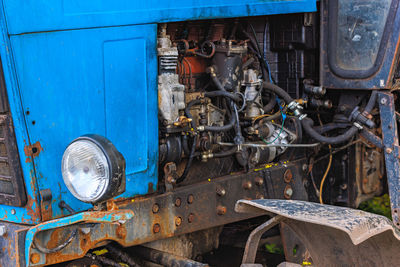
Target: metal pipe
<point>166,259</point>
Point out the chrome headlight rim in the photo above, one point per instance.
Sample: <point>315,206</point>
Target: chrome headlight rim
<point>116,168</point>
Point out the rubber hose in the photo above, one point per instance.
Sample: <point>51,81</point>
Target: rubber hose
<point>308,123</point>
<point>234,97</point>
<point>278,91</point>
<point>189,162</point>
<point>225,153</point>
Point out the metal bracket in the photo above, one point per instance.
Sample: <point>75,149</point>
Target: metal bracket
<point>251,248</point>
<point>45,204</point>
<point>390,140</point>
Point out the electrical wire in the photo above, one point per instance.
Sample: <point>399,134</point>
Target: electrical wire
<point>321,186</point>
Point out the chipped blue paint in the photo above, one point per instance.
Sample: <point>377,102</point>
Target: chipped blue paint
<point>36,16</point>
<point>83,67</point>
<point>83,217</point>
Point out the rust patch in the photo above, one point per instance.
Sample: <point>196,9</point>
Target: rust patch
<point>121,231</point>
<point>32,151</point>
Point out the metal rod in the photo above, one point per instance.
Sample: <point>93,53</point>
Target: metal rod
<point>270,145</point>
<point>166,259</point>
<point>250,250</point>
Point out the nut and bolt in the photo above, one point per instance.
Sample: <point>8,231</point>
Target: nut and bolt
<point>13,212</point>
<point>247,185</point>
<point>178,221</point>
<point>288,192</point>
<point>220,191</point>
<point>35,258</point>
<point>259,181</point>
<point>156,208</point>
<point>190,199</point>
<point>178,202</point>
<point>221,210</point>
<point>156,228</point>
<point>191,218</point>
<point>383,101</point>
<point>287,176</point>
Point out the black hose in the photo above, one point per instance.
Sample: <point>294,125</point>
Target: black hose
<point>189,162</point>
<point>232,96</point>
<point>278,91</point>
<point>185,145</point>
<point>225,153</point>
<point>271,103</point>
<point>217,82</point>
<point>308,123</point>
<point>331,126</point>
<point>223,128</point>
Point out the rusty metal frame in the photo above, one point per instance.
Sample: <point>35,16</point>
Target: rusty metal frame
<point>390,141</point>
<point>184,210</point>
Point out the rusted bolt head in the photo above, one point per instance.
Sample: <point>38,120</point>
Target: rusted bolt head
<point>221,210</point>
<point>220,191</point>
<point>155,208</point>
<point>288,192</point>
<point>259,181</point>
<point>191,218</point>
<point>190,199</point>
<point>156,228</point>
<point>287,176</point>
<point>178,221</point>
<point>178,202</point>
<point>35,258</point>
<point>247,185</point>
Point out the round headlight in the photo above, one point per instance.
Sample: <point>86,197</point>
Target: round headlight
<point>93,170</point>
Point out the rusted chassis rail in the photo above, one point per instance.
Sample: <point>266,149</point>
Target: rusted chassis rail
<point>137,221</point>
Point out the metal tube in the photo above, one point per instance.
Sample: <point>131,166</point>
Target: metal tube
<point>166,259</point>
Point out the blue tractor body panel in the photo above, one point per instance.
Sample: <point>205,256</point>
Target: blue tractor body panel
<point>78,67</point>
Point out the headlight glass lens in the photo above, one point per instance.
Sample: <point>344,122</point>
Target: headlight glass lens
<point>85,170</point>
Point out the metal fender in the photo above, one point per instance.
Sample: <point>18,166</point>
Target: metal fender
<point>333,236</point>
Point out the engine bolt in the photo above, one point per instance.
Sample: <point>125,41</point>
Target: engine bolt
<point>35,258</point>
<point>287,176</point>
<point>155,208</point>
<point>156,228</point>
<point>190,199</point>
<point>221,210</point>
<point>288,192</point>
<point>191,218</point>
<point>178,202</point>
<point>220,191</point>
<point>259,181</point>
<point>178,221</point>
<point>247,185</point>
